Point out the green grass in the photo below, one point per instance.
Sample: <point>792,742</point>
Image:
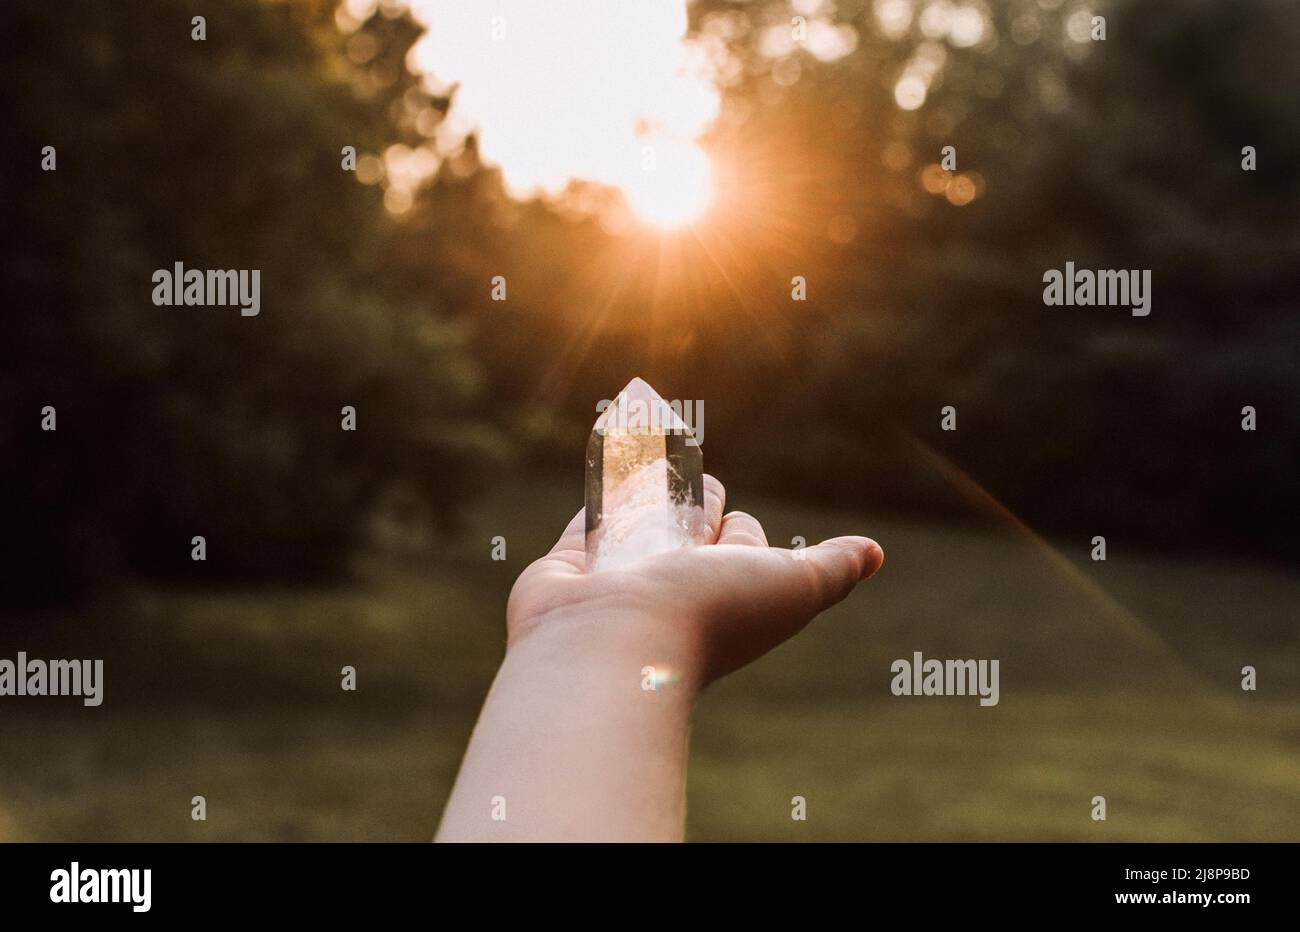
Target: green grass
<point>1118,679</point>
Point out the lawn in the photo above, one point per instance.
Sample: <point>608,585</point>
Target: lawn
<point>1119,679</point>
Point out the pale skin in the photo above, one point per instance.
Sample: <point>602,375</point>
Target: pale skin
<point>571,745</point>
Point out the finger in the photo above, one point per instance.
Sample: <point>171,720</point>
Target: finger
<point>741,528</point>
<point>574,536</point>
<point>754,598</point>
<point>836,566</point>
<point>789,587</point>
<point>715,497</point>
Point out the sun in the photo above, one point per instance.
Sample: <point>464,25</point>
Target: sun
<point>673,187</point>
<point>596,91</point>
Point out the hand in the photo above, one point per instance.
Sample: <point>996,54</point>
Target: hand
<point>712,608</point>
<point>570,737</point>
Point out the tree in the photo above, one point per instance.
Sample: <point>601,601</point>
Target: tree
<point>174,421</point>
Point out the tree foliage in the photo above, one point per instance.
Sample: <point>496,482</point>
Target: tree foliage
<point>182,421</point>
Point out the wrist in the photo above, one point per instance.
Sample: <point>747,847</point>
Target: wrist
<point>660,653</point>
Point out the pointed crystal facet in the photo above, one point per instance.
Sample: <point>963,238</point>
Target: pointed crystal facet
<point>645,480</point>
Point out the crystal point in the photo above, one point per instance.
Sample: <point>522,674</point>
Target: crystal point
<point>645,480</point>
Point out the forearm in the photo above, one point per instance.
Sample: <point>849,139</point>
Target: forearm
<point>571,746</point>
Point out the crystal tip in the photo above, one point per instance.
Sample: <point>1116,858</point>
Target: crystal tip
<point>640,406</point>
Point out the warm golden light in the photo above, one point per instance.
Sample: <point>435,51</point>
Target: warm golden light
<point>580,90</point>
<point>675,190</point>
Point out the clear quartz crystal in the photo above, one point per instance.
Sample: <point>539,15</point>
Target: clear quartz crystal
<point>645,481</point>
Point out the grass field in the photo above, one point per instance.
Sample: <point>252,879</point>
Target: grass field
<point>1119,679</point>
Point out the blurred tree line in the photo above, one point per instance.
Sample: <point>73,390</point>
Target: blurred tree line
<point>181,421</point>
<point>226,154</point>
